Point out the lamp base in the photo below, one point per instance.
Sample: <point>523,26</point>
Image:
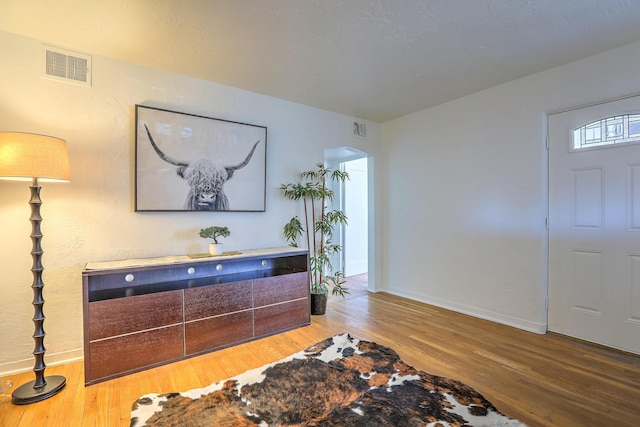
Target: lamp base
<point>27,393</point>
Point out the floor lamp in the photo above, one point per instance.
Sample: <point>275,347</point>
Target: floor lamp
<point>31,157</point>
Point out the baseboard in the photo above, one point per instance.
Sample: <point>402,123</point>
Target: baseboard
<point>50,359</point>
<point>504,319</point>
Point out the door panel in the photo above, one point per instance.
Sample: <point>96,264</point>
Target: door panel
<point>588,198</point>
<point>594,232</point>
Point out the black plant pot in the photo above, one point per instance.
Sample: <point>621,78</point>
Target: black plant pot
<point>318,304</point>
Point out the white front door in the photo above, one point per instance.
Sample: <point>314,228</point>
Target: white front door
<point>594,230</point>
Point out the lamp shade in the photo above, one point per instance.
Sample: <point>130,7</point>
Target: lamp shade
<point>24,156</point>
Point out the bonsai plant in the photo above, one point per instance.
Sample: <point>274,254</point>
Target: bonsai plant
<point>317,227</point>
<point>214,233</point>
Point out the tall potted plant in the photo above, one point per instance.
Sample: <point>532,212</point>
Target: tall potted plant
<point>317,227</point>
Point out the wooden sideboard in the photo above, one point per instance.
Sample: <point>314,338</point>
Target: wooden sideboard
<point>147,312</point>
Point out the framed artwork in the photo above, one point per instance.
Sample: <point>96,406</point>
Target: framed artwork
<point>185,162</point>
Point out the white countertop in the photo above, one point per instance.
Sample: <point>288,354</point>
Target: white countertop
<point>181,259</point>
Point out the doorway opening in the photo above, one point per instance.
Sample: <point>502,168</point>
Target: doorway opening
<point>352,197</point>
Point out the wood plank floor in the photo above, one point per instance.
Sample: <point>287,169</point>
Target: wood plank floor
<point>544,380</point>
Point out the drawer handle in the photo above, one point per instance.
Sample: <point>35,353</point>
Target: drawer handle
<point>129,278</point>
<point>191,270</point>
<point>219,267</point>
<point>264,263</point>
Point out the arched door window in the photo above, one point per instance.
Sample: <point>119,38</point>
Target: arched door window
<point>606,132</point>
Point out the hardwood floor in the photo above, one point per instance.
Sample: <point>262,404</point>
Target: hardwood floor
<point>543,380</point>
<point>357,286</point>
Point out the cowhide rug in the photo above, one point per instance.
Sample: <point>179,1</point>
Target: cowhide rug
<point>341,381</point>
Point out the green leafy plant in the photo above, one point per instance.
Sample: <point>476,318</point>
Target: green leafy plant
<point>317,226</point>
<point>214,233</point>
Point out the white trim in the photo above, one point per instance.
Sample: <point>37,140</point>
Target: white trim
<point>51,359</point>
<point>504,319</point>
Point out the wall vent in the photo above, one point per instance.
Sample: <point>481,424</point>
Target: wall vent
<point>360,129</point>
<point>66,65</point>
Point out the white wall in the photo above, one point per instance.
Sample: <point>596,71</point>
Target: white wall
<point>466,190</point>
<point>92,218</point>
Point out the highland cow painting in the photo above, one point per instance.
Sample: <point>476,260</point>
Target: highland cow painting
<point>186,162</point>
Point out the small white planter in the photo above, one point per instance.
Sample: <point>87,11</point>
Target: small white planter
<point>215,248</point>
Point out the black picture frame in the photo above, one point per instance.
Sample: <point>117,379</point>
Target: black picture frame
<point>187,162</point>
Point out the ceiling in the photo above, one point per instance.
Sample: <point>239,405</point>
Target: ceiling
<point>372,59</point>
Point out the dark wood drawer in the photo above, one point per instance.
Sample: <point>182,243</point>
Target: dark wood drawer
<point>126,315</point>
<point>136,351</point>
<point>276,289</point>
<point>142,313</point>
<point>216,332</point>
<point>281,317</point>
<point>214,300</point>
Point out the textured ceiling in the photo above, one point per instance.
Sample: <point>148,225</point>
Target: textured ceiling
<point>373,59</point>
